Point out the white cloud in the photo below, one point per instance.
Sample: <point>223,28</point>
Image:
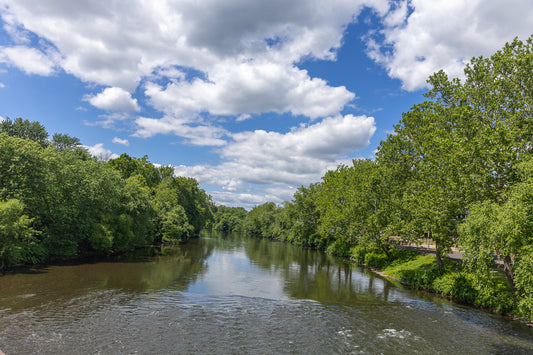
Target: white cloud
<point>195,61</point>
<point>109,120</point>
<point>445,34</point>
<point>114,99</point>
<point>2,85</point>
<point>247,50</point>
<point>29,60</point>
<point>246,200</point>
<point>280,162</point>
<point>121,141</point>
<point>250,87</point>
<point>100,152</point>
<point>203,134</point>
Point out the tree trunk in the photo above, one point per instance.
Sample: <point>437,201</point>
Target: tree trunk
<point>438,254</point>
<point>385,248</point>
<point>508,270</point>
<point>440,263</point>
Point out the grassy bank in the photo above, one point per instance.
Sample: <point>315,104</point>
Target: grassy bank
<point>454,281</point>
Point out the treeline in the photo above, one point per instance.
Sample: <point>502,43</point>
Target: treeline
<point>458,170</point>
<point>57,201</point>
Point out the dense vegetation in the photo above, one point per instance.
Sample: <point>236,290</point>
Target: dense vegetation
<point>458,170</point>
<point>57,201</point>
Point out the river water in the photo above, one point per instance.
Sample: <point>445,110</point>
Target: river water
<point>239,296</point>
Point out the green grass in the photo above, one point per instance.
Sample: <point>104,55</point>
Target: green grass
<point>421,271</point>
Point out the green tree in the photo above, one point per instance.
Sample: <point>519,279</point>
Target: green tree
<point>434,195</point>
<point>261,220</point>
<point>15,232</point>
<point>505,229</point>
<point>62,142</point>
<point>304,217</point>
<point>25,129</point>
<point>175,226</point>
<point>228,219</point>
<point>195,201</point>
<point>129,166</point>
<point>353,207</point>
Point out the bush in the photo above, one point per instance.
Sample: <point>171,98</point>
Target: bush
<point>460,286</point>
<point>378,260</point>
<point>339,247</point>
<point>495,295</point>
<point>358,253</point>
<point>421,271</point>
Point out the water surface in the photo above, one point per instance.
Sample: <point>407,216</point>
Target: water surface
<point>236,295</point>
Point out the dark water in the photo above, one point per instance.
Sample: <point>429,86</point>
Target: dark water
<point>238,296</point>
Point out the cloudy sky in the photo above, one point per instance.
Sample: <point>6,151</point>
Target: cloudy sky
<point>253,98</point>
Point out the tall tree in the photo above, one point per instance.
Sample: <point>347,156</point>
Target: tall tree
<point>506,229</point>
<point>25,129</point>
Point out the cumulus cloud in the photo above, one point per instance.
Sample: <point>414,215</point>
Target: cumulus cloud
<point>420,37</point>
<point>114,99</point>
<point>281,162</point>
<point>247,50</point>
<point>194,134</point>
<point>100,152</point>
<point>121,141</point>
<point>250,87</point>
<point>199,64</point>
<point>29,60</point>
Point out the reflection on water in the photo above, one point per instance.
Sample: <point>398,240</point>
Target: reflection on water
<point>229,294</point>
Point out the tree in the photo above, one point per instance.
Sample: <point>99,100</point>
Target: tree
<point>434,194</point>
<point>63,142</point>
<point>304,217</point>
<point>261,220</point>
<point>463,144</point>
<point>25,129</point>
<point>507,230</point>
<point>175,226</point>
<point>195,201</point>
<point>129,166</point>
<point>229,219</point>
<point>353,207</point>
<point>15,232</point>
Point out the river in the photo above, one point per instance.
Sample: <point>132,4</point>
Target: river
<point>239,296</point>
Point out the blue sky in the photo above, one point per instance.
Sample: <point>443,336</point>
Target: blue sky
<point>251,98</point>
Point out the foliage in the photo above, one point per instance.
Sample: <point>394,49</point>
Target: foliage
<point>25,129</point>
<point>228,219</point>
<point>174,225</point>
<point>15,232</point>
<point>378,260</point>
<point>505,229</point>
<point>58,201</point>
<point>304,217</point>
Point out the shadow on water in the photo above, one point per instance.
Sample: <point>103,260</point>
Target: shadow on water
<point>148,270</point>
<point>309,274</point>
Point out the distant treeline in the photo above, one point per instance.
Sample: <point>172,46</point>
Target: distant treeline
<point>58,201</point>
<point>458,170</point>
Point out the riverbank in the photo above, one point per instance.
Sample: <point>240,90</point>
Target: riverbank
<point>417,269</point>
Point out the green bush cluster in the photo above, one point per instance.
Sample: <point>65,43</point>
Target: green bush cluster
<point>491,292</point>
<point>57,200</point>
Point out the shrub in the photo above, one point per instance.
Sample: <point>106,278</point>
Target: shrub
<point>339,247</point>
<point>458,285</point>
<point>378,260</point>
